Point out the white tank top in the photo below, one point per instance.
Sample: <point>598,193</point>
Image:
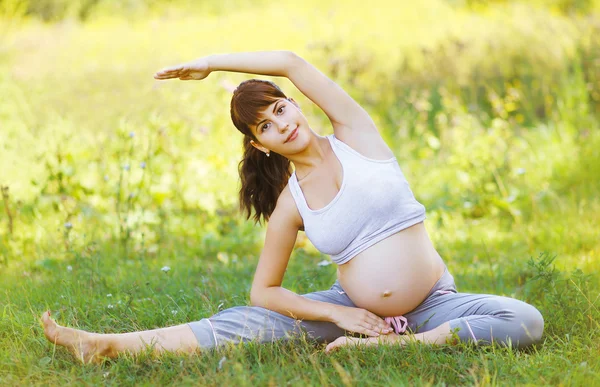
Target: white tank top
<point>373,203</point>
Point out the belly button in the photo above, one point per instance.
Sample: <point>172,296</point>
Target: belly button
<point>387,293</point>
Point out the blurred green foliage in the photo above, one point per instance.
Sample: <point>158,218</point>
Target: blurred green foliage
<point>57,10</point>
<point>489,110</point>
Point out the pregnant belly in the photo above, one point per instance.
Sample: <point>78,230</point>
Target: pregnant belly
<point>394,276</point>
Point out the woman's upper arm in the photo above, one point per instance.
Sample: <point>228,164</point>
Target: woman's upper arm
<point>351,123</point>
<point>282,231</point>
<point>343,111</point>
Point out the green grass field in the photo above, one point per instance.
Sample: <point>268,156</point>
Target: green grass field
<point>108,176</point>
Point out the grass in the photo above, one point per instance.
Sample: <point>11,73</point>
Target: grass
<point>492,112</point>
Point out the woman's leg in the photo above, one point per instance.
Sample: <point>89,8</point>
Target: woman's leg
<point>234,325</point>
<point>243,324</point>
<point>485,319</point>
<point>94,347</point>
<point>478,318</point>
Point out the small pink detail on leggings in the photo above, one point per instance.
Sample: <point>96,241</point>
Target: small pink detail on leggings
<point>399,323</point>
<point>444,291</point>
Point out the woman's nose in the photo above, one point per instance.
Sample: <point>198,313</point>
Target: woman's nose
<point>283,126</point>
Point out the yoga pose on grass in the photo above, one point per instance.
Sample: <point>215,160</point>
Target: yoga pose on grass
<point>348,194</point>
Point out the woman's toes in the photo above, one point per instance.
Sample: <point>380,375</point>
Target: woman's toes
<point>339,342</point>
<point>49,326</point>
<point>330,348</point>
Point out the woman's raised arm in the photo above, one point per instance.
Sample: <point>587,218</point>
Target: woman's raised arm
<point>274,63</point>
<point>344,113</point>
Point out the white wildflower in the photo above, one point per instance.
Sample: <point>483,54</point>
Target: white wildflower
<point>69,268</point>
<point>109,295</point>
<point>324,262</point>
<point>166,269</point>
<point>221,362</point>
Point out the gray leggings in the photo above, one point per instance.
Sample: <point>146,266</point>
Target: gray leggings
<point>479,318</point>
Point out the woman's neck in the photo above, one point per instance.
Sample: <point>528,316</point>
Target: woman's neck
<point>311,157</point>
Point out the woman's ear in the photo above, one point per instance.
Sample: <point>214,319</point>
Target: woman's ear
<point>259,147</point>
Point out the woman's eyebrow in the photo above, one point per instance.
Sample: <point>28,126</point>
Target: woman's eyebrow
<point>274,109</point>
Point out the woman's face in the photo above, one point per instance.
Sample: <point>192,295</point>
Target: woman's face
<point>282,128</point>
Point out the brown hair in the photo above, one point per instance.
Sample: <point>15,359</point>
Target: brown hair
<point>263,178</point>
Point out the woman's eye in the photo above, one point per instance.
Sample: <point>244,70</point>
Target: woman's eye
<point>280,110</point>
<point>264,127</point>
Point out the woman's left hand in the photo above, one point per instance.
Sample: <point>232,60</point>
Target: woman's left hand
<point>359,320</point>
<point>195,70</point>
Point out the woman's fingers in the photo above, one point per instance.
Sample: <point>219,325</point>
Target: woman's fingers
<point>379,323</point>
<point>171,69</point>
<point>170,72</point>
<point>369,330</point>
<point>360,320</point>
<point>373,325</point>
<point>166,75</point>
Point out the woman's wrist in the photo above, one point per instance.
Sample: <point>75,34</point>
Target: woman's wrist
<point>211,63</point>
<point>331,312</point>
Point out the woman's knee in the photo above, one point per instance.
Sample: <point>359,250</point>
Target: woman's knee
<point>528,323</point>
<point>533,323</point>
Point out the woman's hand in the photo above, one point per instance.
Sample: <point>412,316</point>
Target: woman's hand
<point>359,321</point>
<point>195,70</point>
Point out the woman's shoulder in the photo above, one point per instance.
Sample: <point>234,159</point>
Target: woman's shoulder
<point>286,208</point>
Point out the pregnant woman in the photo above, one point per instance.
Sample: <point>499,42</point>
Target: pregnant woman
<point>348,194</point>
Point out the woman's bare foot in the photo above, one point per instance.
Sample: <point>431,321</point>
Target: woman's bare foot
<point>438,335</point>
<point>354,341</point>
<point>340,342</point>
<point>84,345</point>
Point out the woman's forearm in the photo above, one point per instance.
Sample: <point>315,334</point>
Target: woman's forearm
<point>274,63</point>
<point>291,304</point>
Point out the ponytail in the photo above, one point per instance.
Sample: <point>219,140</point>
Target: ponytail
<point>263,178</point>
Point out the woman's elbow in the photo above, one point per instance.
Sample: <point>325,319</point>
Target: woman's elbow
<point>291,55</point>
<point>292,61</point>
<point>256,297</point>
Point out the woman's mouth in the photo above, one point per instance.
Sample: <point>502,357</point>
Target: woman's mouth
<point>292,136</point>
